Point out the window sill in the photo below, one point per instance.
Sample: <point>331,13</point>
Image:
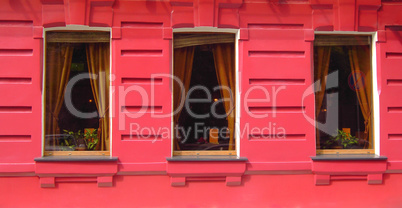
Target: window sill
<point>75,158</point>
<point>76,153</point>
<point>198,158</point>
<point>182,169</point>
<point>344,157</point>
<point>370,167</point>
<point>72,169</point>
<point>205,153</point>
<point>345,151</point>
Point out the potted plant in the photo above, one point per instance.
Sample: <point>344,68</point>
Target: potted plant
<point>67,143</point>
<point>84,141</point>
<point>91,138</point>
<point>79,139</point>
<point>342,139</point>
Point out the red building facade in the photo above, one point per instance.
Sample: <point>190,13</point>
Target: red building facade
<point>273,73</point>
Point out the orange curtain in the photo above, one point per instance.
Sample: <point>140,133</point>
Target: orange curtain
<point>321,67</point>
<point>98,67</point>
<point>360,64</point>
<point>58,63</point>
<point>224,66</point>
<point>320,73</point>
<point>183,67</point>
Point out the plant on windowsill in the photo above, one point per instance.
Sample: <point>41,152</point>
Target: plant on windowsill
<point>84,141</point>
<point>91,139</point>
<point>342,139</point>
<point>67,143</point>
<point>78,140</point>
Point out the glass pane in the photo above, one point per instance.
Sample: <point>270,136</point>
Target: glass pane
<point>348,100</point>
<point>202,122</point>
<point>72,115</point>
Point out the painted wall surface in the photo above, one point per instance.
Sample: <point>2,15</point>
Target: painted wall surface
<point>275,50</point>
<point>155,191</point>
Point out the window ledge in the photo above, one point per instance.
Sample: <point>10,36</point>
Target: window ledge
<point>183,169</point>
<point>72,169</point>
<point>345,157</point>
<point>207,158</point>
<point>76,159</point>
<point>369,167</point>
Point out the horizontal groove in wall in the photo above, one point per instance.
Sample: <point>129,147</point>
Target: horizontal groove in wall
<point>16,52</point>
<point>394,109</point>
<point>276,81</point>
<point>142,24</point>
<point>301,167</point>
<point>368,7</point>
<point>137,80</point>
<point>393,55</point>
<point>15,109</point>
<point>322,6</point>
<point>142,137</point>
<point>276,137</point>
<point>394,82</point>
<point>393,27</point>
<point>209,178</point>
<point>141,109</point>
<point>283,54</point>
<point>16,23</point>
<point>15,138</point>
<point>133,52</point>
<point>277,109</point>
<point>15,80</point>
<point>348,177</point>
<point>75,179</point>
<point>183,4</point>
<point>276,26</point>
<point>395,136</point>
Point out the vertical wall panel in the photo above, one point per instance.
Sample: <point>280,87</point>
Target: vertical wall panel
<point>20,85</point>
<point>390,102</point>
<point>141,61</point>
<point>275,74</point>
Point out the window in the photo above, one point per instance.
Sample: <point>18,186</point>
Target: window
<point>204,94</point>
<point>76,93</point>
<point>344,94</point>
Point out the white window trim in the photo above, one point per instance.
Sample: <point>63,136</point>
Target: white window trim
<point>376,97</point>
<point>237,90</point>
<point>74,28</point>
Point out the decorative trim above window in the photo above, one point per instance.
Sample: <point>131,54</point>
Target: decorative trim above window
<point>344,40</point>
<point>186,40</point>
<point>77,37</point>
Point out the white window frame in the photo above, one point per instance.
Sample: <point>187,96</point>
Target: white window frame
<point>75,28</point>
